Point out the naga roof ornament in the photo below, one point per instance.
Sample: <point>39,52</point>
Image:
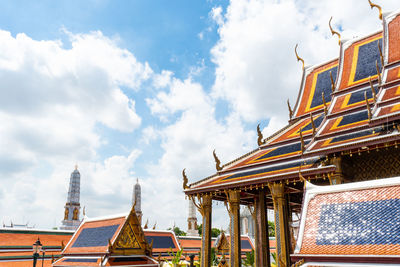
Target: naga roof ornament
<point>333,31</point>
<point>297,55</point>
<point>372,5</point>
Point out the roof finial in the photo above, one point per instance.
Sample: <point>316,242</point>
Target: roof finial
<point>302,142</point>
<point>372,5</point>
<point>185,180</point>
<point>312,124</point>
<point>290,109</point>
<point>372,89</point>
<point>333,31</point>
<point>76,166</point>
<point>154,227</point>
<point>217,162</point>
<point>332,82</point>
<point>368,107</point>
<point>260,138</point>
<point>84,211</point>
<point>378,72</point>
<point>323,101</point>
<point>146,224</point>
<point>297,56</point>
<point>380,53</point>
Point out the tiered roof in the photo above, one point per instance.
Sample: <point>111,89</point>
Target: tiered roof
<point>16,245</point>
<point>109,241</point>
<point>331,116</point>
<point>350,223</point>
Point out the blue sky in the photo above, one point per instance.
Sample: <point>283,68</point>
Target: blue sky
<point>130,89</point>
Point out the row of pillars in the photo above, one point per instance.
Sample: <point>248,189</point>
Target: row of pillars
<point>282,219</point>
<point>260,215</point>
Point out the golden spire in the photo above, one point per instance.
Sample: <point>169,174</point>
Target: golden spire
<point>312,124</point>
<point>217,162</point>
<point>372,89</point>
<point>185,180</point>
<point>372,5</point>
<point>323,101</point>
<point>302,142</point>
<point>333,31</point>
<point>260,138</point>
<point>297,56</point>
<point>368,107</point>
<point>332,82</point>
<point>290,109</point>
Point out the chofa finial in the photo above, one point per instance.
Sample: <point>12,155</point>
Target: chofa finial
<point>290,109</point>
<point>297,55</point>
<point>185,180</point>
<point>333,31</point>
<point>301,142</point>
<point>312,124</point>
<point>372,5</point>
<point>368,107</point>
<point>325,106</point>
<point>260,138</point>
<point>217,162</point>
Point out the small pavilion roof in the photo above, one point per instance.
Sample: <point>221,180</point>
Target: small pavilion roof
<point>359,220</point>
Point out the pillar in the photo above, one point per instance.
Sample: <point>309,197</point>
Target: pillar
<point>262,252</point>
<point>234,212</point>
<point>205,260</point>
<point>338,177</point>
<point>281,224</point>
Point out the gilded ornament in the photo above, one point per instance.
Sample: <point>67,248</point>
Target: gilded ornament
<point>372,5</point>
<point>297,56</point>
<point>333,31</point>
<point>217,162</point>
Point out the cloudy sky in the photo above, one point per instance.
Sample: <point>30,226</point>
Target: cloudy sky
<point>129,89</point>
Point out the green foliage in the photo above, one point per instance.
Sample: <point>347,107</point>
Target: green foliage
<point>214,258</point>
<point>214,231</point>
<point>249,260</point>
<point>274,256</point>
<point>271,228</point>
<point>175,257</point>
<point>177,231</point>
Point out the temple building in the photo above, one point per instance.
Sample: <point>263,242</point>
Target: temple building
<point>72,207</point>
<point>246,222</point>
<point>344,128</point>
<point>137,200</point>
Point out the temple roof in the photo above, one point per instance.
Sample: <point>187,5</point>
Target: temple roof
<point>360,220</point>
<point>347,105</point>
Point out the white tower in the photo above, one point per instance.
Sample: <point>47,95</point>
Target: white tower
<point>137,200</point>
<point>192,220</point>
<point>72,207</point>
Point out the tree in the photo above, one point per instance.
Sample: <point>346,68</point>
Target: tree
<point>271,228</point>
<point>214,231</point>
<point>177,231</point>
<point>249,260</point>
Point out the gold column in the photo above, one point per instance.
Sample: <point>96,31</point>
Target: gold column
<point>281,224</point>
<point>262,251</point>
<point>338,177</point>
<point>234,213</point>
<point>206,231</point>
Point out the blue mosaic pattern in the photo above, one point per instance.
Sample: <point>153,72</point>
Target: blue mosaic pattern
<point>95,237</point>
<point>160,241</point>
<point>355,135</point>
<point>360,223</point>
<point>283,150</point>
<point>270,169</point>
<point>368,54</point>
<point>358,96</point>
<point>245,244</point>
<point>323,84</point>
<point>80,260</point>
<point>317,123</point>
<point>354,117</point>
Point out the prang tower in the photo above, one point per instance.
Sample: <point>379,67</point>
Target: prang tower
<point>72,207</point>
<point>192,220</point>
<point>137,200</point>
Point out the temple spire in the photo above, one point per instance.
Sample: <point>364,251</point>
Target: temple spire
<point>72,206</point>
<point>137,199</point>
